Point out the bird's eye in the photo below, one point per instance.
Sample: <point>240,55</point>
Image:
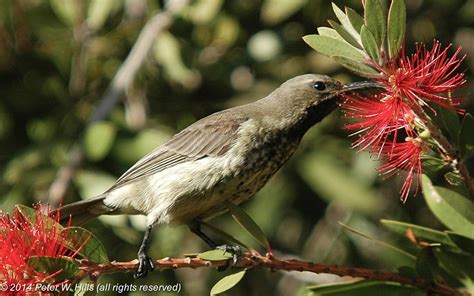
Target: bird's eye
<point>319,85</point>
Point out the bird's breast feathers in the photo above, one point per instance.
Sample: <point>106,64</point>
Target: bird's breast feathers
<point>200,187</point>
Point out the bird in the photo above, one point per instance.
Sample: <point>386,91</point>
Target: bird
<point>225,157</point>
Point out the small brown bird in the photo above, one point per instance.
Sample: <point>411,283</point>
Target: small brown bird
<point>226,156</point>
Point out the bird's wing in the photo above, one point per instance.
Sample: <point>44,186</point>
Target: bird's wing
<point>211,136</point>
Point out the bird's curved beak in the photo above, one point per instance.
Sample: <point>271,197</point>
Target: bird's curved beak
<point>359,85</point>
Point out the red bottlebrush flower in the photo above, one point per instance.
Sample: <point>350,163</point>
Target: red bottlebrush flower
<point>405,156</point>
<point>380,119</point>
<point>427,76</point>
<point>23,236</point>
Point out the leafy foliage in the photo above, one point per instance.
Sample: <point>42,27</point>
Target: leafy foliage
<point>54,75</point>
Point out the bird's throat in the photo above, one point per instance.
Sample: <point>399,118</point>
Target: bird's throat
<point>314,114</point>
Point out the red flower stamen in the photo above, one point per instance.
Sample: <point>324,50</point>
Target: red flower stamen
<point>23,236</point>
<point>426,76</point>
<point>412,82</point>
<point>405,156</point>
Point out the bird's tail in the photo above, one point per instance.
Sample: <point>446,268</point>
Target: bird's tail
<point>82,211</point>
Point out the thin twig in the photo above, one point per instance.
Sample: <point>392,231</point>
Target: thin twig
<point>256,260</point>
<point>122,80</point>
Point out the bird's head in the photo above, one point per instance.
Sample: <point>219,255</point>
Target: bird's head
<point>306,99</point>
<point>311,89</point>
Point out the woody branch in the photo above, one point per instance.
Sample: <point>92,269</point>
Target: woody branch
<point>255,260</point>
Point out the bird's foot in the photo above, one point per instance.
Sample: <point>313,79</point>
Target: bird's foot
<point>236,252</point>
<point>145,265</point>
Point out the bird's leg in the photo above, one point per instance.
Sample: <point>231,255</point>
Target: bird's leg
<point>195,228</point>
<point>145,263</point>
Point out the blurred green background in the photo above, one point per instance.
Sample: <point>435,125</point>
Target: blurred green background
<point>58,57</point>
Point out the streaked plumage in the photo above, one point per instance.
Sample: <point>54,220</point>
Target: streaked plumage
<point>227,156</point>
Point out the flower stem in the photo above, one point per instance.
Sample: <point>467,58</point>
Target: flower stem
<point>449,153</point>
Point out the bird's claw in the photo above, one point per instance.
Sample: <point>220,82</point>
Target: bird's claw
<point>236,252</point>
<point>145,265</point>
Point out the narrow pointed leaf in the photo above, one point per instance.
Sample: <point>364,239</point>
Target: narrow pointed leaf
<point>227,282</point>
<point>458,265</point>
<point>329,32</point>
<point>451,123</point>
<point>453,178</point>
<point>426,264</point>
<point>331,46</point>
<point>432,165</point>
<point>466,138</point>
<point>215,255</point>
<point>396,27</point>
<point>248,224</point>
<point>346,35</point>
<point>375,20</point>
<point>224,235</point>
<point>353,230</point>
<point>356,20</point>
<point>346,24</point>
<point>357,67</point>
<point>420,232</point>
<point>88,290</point>
<point>93,250</point>
<point>452,209</point>
<point>463,242</point>
<point>366,288</point>
<point>369,43</point>
<point>66,268</point>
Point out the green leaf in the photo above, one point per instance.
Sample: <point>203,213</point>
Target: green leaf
<point>406,254</point>
<point>227,282</point>
<point>460,266</point>
<point>370,45</point>
<point>407,271</point>
<point>248,224</point>
<point>364,288</point>
<point>98,12</point>
<point>86,285</point>
<point>324,173</point>
<point>451,123</point>
<point>428,267</point>
<point>358,68</point>
<point>432,165</point>
<point>345,35</point>
<point>65,267</point>
<point>276,11</point>
<point>452,209</point>
<point>426,264</point>
<point>356,20</point>
<point>466,138</point>
<point>453,178</point>
<point>375,20</point>
<point>224,235</point>
<point>329,32</point>
<point>420,232</point>
<point>332,46</point>
<point>98,139</point>
<point>215,255</point>
<point>396,27</point>
<point>346,26</point>
<point>463,242</point>
<point>93,250</point>
<point>67,11</point>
